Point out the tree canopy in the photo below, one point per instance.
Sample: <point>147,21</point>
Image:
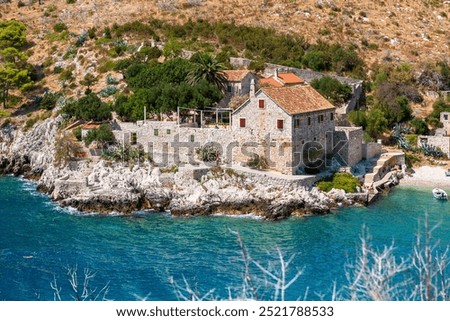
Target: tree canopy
<point>332,89</point>
<point>164,87</point>
<point>89,107</point>
<point>14,70</point>
<point>12,34</point>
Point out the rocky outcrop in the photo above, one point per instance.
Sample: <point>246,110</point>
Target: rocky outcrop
<point>94,185</point>
<point>30,152</point>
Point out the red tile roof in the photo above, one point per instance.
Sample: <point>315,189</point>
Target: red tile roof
<point>235,75</point>
<point>270,82</point>
<point>298,99</point>
<point>290,78</point>
<point>90,126</point>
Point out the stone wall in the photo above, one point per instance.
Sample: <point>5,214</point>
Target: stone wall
<point>276,147</point>
<point>443,142</point>
<point>351,152</point>
<point>371,150</point>
<point>445,120</point>
<point>312,135</point>
<point>241,87</point>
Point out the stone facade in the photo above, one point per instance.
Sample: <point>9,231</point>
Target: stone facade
<point>292,127</point>
<point>290,140</point>
<point>443,142</point>
<point>262,137</point>
<point>442,135</point>
<point>371,150</point>
<point>445,120</point>
<point>351,151</point>
<point>240,85</point>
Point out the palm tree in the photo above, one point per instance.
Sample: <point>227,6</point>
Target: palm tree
<point>208,68</point>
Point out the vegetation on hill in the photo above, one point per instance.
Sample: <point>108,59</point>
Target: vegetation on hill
<point>251,42</point>
<point>332,89</point>
<point>14,69</point>
<point>89,107</point>
<point>162,87</point>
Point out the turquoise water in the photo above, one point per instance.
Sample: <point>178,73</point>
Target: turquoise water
<point>137,255</point>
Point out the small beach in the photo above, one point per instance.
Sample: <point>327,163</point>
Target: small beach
<point>427,176</point>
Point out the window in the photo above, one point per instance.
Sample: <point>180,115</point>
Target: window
<point>297,123</point>
<point>168,131</point>
<point>241,122</point>
<point>155,132</point>
<point>133,138</point>
<point>320,118</point>
<point>261,103</point>
<point>280,123</point>
<point>309,121</point>
<point>331,116</point>
<point>192,138</point>
<point>229,88</point>
<point>446,117</point>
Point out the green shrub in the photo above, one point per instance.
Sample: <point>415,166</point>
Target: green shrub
<point>332,89</point>
<point>411,159</point>
<point>71,1</point>
<point>420,126</point>
<point>59,27</point>
<point>103,135</point>
<point>30,123</point>
<point>258,162</point>
<point>92,32</point>
<point>208,154</point>
<point>344,181</point>
<point>77,133</point>
<point>411,139</point>
<point>49,100</point>
<point>4,113</point>
<point>106,66</point>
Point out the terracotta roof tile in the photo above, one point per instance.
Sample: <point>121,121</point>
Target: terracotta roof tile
<point>90,126</point>
<point>298,99</point>
<point>290,78</point>
<point>235,75</point>
<point>270,82</point>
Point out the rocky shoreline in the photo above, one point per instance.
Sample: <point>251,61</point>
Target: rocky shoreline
<point>94,185</point>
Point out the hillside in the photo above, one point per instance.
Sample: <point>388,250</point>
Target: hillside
<point>413,31</point>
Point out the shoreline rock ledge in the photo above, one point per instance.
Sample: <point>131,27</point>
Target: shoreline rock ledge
<point>93,185</point>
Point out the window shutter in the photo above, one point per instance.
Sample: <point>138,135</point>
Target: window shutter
<point>280,123</point>
<point>261,103</point>
<point>241,122</point>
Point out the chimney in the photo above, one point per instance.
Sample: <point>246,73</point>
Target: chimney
<point>275,75</point>
<point>252,88</point>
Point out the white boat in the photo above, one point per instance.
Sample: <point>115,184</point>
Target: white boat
<point>439,194</point>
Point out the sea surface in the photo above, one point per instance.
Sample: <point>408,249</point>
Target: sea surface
<point>135,258</point>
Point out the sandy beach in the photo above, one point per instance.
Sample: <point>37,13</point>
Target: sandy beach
<point>427,176</point>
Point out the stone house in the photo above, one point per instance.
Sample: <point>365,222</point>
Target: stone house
<point>441,139</point>
<point>291,126</point>
<point>238,81</point>
<point>445,120</point>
